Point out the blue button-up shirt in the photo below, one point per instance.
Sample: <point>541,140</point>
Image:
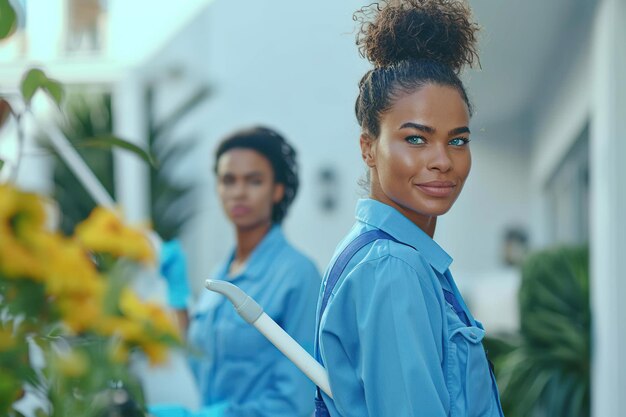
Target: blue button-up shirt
<point>391,343</point>
<point>234,363</point>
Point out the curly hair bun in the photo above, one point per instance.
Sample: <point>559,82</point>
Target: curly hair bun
<point>439,30</point>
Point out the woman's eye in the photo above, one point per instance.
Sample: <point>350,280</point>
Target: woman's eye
<point>459,142</point>
<point>415,140</point>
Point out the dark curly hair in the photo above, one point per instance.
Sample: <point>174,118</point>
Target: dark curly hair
<point>279,153</point>
<point>411,43</point>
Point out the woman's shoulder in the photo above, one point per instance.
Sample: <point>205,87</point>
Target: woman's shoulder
<point>382,269</point>
<point>385,263</point>
<point>393,253</point>
<point>289,258</point>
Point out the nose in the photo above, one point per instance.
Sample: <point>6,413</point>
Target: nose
<point>439,158</point>
<point>237,190</point>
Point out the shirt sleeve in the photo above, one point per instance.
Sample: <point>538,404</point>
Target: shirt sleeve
<point>290,393</point>
<point>381,339</point>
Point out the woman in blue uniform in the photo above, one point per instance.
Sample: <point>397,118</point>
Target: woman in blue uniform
<point>393,330</point>
<point>239,372</point>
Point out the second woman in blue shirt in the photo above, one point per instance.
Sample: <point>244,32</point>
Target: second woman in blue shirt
<point>239,372</point>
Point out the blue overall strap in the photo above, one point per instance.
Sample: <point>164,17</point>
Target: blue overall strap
<point>344,257</point>
<point>333,277</point>
<point>456,306</point>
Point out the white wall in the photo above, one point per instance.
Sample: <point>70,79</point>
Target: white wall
<point>137,29</point>
<point>561,114</point>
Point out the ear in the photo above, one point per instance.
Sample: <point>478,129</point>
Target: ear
<point>279,192</point>
<point>368,149</point>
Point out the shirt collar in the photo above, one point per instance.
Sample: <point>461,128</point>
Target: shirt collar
<point>391,221</point>
<point>260,257</point>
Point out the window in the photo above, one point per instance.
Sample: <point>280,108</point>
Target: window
<point>86,25</point>
<point>567,195</point>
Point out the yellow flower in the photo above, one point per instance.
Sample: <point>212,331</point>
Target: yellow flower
<point>17,260</point>
<point>156,352</point>
<point>20,211</point>
<point>22,216</point>
<point>68,268</point>
<point>142,325</point>
<point>150,314</point>
<point>132,334</point>
<point>80,314</point>
<point>127,330</point>
<point>74,288</point>
<point>104,232</point>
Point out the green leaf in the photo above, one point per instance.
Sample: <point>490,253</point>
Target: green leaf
<point>181,111</point>
<point>107,142</point>
<point>1,164</point>
<point>548,373</point>
<point>36,79</point>
<point>33,80</point>
<point>54,90</point>
<point>8,19</point>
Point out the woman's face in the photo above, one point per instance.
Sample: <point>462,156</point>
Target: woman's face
<point>421,159</point>
<point>246,187</point>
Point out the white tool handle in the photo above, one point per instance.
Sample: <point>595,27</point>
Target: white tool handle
<point>251,312</point>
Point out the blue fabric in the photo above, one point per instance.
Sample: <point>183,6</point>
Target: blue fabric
<point>235,363</point>
<point>342,261</point>
<point>168,410</point>
<point>172,410</point>
<point>320,407</point>
<point>456,306</point>
<point>391,343</point>
<point>173,267</point>
<point>335,272</point>
<point>216,410</point>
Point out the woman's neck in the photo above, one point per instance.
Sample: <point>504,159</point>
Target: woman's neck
<point>248,239</point>
<point>426,223</point>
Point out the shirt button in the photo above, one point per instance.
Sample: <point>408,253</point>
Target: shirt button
<point>473,336</point>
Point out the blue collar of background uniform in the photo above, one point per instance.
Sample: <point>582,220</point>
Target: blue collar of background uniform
<point>260,258</point>
<point>391,221</point>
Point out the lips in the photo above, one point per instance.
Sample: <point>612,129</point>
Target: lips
<point>238,211</point>
<point>437,188</point>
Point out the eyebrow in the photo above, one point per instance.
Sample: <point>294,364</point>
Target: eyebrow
<point>253,174</point>
<point>431,130</point>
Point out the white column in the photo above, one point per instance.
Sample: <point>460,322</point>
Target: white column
<point>608,197</point>
<point>131,173</point>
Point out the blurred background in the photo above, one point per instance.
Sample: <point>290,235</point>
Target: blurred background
<point>547,143</point>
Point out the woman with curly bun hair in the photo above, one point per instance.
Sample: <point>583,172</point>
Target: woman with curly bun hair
<point>393,330</point>
<point>239,372</point>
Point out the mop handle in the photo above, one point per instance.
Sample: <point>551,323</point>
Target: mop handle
<point>253,313</point>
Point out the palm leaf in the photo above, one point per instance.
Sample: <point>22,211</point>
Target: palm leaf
<point>85,117</point>
<point>547,371</point>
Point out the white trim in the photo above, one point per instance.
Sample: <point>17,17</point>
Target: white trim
<point>608,198</point>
